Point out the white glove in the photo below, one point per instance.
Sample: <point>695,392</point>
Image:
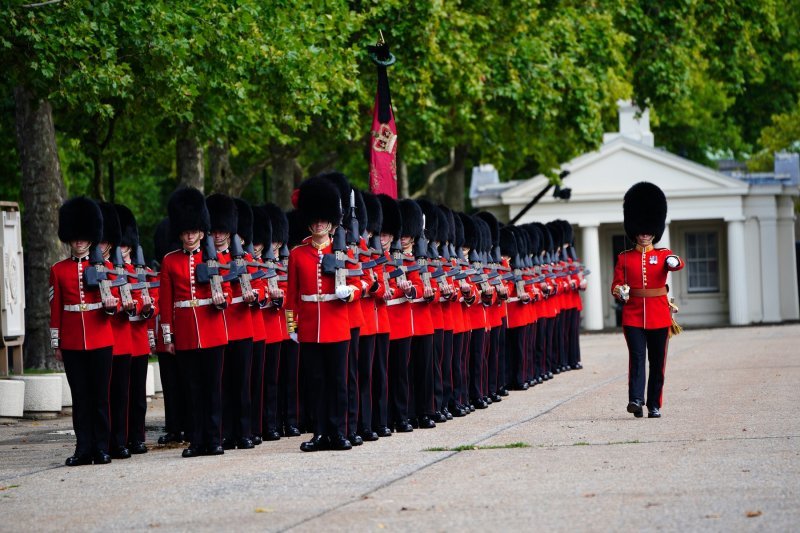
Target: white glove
<point>673,261</point>
<point>343,292</point>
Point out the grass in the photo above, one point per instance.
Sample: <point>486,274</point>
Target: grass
<point>469,447</point>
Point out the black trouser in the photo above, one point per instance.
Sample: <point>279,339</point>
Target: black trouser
<point>352,381</point>
<point>438,355</point>
<point>422,385</point>
<point>457,396</point>
<point>555,343</point>
<point>89,377</point>
<point>202,369</point>
<point>257,388</point>
<point>399,355</point>
<point>380,382</point>
<point>236,403</point>
<point>172,385</point>
<point>288,385</point>
<point>465,366</point>
<point>493,361</point>
<point>446,364</point>
<point>327,366</point>
<point>515,344</point>
<point>366,354</point>
<point>137,399</point>
<point>272,363</point>
<point>502,367</point>
<point>540,347</point>
<point>655,343</point>
<point>477,346</point>
<point>575,338</point>
<point>118,397</point>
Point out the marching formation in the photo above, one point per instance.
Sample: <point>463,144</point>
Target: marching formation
<point>352,317</point>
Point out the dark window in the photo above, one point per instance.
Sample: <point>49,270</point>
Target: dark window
<point>702,261</point>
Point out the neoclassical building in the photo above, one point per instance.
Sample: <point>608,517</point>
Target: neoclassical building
<point>736,236</point>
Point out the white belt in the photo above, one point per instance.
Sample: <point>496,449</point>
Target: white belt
<point>237,300</point>
<point>418,300</point>
<point>137,318</point>
<point>396,301</point>
<point>83,307</point>
<point>193,303</point>
<point>513,299</point>
<point>318,297</point>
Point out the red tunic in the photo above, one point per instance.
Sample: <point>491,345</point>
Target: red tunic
<point>201,326</point>
<point>645,268</point>
<point>140,341</point>
<point>319,322</point>
<point>238,318</point>
<point>76,330</point>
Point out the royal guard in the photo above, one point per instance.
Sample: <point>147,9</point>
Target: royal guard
<point>141,337</point>
<point>192,297</point>
<point>459,405</point>
<point>517,309</point>
<point>176,416</point>
<point>255,242</point>
<point>640,282</point>
<point>80,329</point>
<point>476,237</point>
<point>294,403</point>
<point>321,296</point>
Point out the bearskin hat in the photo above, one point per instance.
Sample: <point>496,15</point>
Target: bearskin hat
<point>129,229</point>
<point>319,199</point>
<point>556,233</point>
<point>187,211</point>
<point>458,226</point>
<point>508,242</point>
<point>374,213</point>
<point>494,225</point>
<point>471,237</point>
<point>484,234</point>
<point>431,222</point>
<point>534,238</point>
<point>112,232</point>
<point>80,219</point>
<point>392,219</point>
<point>567,232</point>
<point>298,229</point>
<point>280,226</point>
<point>443,225</point>
<point>644,211</point>
<point>163,240</point>
<point>546,238</point>
<point>223,213</point>
<point>244,224</point>
<point>451,223</point>
<point>361,210</point>
<point>342,184</point>
<point>262,229</point>
<point>411,214</point>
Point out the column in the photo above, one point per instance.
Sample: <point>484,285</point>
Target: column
<point>770,275</point>
<point>593,301</point>
<point>787,260</point>
<point>737,283</point>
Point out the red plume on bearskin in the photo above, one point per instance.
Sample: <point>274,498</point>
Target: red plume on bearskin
<point>80,219</point>
<point>644,210</point>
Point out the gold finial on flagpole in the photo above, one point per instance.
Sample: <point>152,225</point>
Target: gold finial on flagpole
<point>380,39</point>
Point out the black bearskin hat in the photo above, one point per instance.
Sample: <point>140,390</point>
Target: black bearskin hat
<point>262,229</point>
<point>129,230</point>
<point>80,219</point>
<point>361,210</point>
<point>546,238</point>
<point>187,211</point>
<point>521,239</point>
<point>411,214</point>
<point>374,213</point>
<point>451,223</point>
<point>431,222</point>
<point>224,216</point>
<point>535,238</point>
<point>280,226</point>
<point>508,242</point>
<point>471,237</point>
<point>392,219</point>
<point>442,225</point>
<point>484,234</point>
<point>458,234</point>
<point>244,226</point>
<point>163,240</point>
<point>567,232</point>
<point>112,233</point>
<point>298,229</point>
<point>342,184</point>
<point>556,230</point>
<point>644,211</point>
<point>319,199</point>
<point>494,225</point>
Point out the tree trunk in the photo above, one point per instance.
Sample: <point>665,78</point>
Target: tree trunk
<point>43,193</point>
<point>189,158</point>
<point>286,176</point>
<point>222,176</point>
<point>97,186</point>
<point>456,180</point>
<point>402,179</point>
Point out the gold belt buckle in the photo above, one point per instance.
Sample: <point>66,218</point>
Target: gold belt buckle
<point>83,307</point>
<point>193,303</point>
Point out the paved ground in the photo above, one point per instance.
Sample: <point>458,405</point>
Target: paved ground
<point>725,456</point>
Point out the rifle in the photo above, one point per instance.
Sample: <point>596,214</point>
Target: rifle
<point>96,276</point>
<point>335,263</point>
<point>242,275</point>
<point>142,274</point>
<point>126,298</point>
<point>421,255</point>
<point>209,271</point>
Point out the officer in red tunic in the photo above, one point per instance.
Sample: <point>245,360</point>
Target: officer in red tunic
<point>640,282</point>
<point>80,331</point>
<point>320,306</point>
<point>192,322</point>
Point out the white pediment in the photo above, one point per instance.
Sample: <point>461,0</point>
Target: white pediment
<point>607,173</point>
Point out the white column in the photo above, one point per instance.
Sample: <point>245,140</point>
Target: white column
<point>787,260</point>
<point>593,301</point>
<point>737,285</point>
<point>770,275</point>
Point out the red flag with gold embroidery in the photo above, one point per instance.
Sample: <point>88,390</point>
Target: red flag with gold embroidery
<point>383,136</point>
